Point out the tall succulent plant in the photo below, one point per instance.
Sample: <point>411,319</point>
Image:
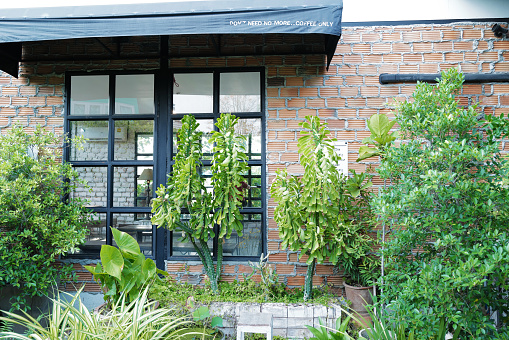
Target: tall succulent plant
<point>308,209</point>
<point>185,192</point>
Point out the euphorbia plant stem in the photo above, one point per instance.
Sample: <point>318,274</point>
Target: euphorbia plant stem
<point>308,283</point>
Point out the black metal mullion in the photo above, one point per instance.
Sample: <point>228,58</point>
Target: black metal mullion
<point>217,113</point>
<point>110,172</point>
<point>263,162</point>
<point>163,103</point>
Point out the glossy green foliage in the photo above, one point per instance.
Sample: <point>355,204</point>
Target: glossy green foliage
<point>185,188</point>
<point>124,271</point>
<point>307,211</point>
<point>324,214</point>
<point>227,168</point>
<point>448,255</point>
<point>38,222</point>
<point>381,136</point>
<point>185,191</point>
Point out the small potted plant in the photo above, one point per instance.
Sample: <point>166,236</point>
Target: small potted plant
<point>358,259</point>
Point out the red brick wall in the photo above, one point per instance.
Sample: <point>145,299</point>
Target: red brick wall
<point>296,86</point>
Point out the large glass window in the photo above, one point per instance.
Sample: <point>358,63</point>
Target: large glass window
<point>128,143</point>
<point>115,153</point>
<point>207,95</point>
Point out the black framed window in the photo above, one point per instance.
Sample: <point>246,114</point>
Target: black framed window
<point>115,115</point>
<point>206,94</point>
<point>129,120</point>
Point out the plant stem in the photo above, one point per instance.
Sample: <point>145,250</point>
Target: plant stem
<point>219,258</point>
<point>209,267</point>
<point>308,284</point>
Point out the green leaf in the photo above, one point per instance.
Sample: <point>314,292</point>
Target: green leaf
<point>125,242</point>
<point>112,261</point>
<point>216,322</point>
<point>366,152</point>
<point>149,268</point>
<point>201,313</point>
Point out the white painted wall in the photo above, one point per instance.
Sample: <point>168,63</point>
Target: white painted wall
<point>404,10</point>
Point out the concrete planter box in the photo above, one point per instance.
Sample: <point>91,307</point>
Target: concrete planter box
<point>38,304</point>
<point>289,320</point>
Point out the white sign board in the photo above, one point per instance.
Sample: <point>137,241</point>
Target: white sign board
<point>341,148</point>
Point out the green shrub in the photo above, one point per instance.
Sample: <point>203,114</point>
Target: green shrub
<point>448,255</point>
<point>38,223</point>
<point>176,294</point>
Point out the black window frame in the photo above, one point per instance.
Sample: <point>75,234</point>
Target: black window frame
<point>163,149</point>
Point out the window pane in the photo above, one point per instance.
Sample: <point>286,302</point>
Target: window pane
<point>192,93</point>
<point>96,179</point>
<point>250,243</point>
<point>183,247</point>
<point>252,129</point>
<point>96,237</point>
<point>253,195</point>
<point>134,94</point>
<point>128,140</point>
<point>206,126</point>
<point>141,230</point>
<point>240,92</point>
<point>95,146</point>
<point>89,95</point>
<point>132,186</point>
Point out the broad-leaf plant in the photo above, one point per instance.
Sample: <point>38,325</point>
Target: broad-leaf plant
<point>381,137</point>
<point>447,259</point>
<point>320,214</point>
<point>124,271</point>
<point>184,205</point>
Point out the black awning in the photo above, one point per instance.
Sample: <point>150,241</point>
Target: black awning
<point>171,18</point>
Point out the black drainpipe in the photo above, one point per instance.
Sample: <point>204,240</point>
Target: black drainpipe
<point>386,78</point>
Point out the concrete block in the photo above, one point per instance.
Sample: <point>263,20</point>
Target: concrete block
<point>222,308</point>
<point>299,322</point>
<point>299,333</point>
<point>300,311</point>
<point>278,310</point>
<point>316,322</point>
<point>283,332</point>
<point>331,312</point>
<point>229,332</point>
<point>280,322</point>
<point>229,322</point>
<point>249,308</point>
<point>320,312</point>
<point>331,323</point>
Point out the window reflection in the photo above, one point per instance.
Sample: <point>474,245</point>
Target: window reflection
<point>250,243</point>
<point>140,230</point>
<point>94,146</point>
<point>192,93</point>
<point>128,140</point>
<point>240,92</point>
<point>96,236</point>
<point>89,95</point>
<point>134,94</point>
